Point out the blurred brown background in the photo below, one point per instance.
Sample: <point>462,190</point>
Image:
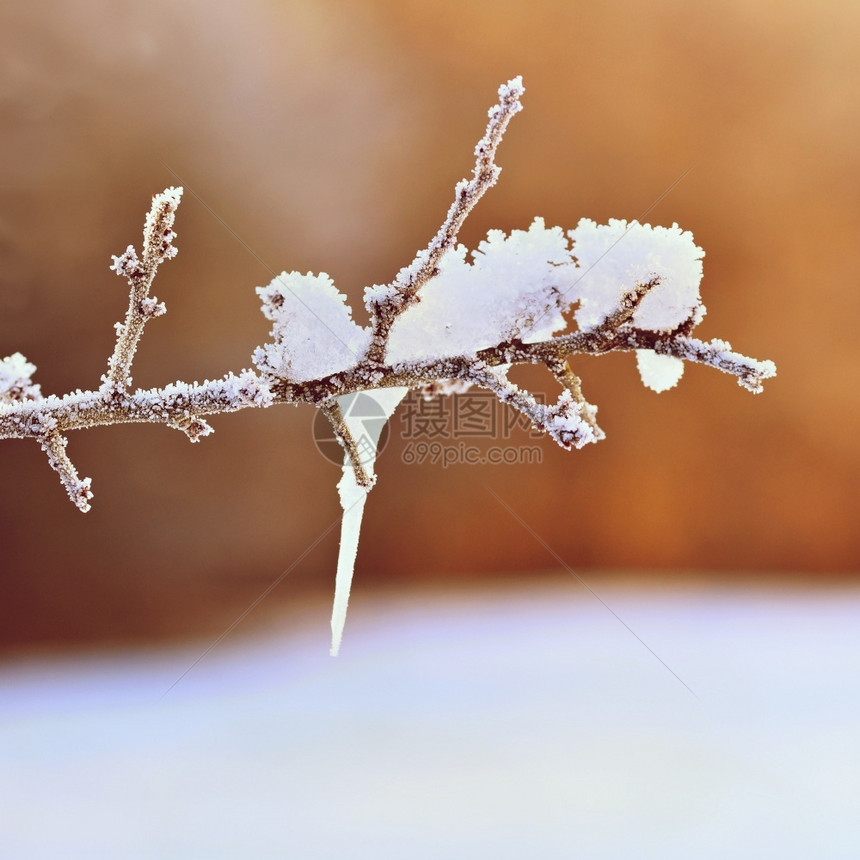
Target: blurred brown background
<point>329,137</point>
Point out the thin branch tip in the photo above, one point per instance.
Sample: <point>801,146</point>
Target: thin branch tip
<point>78,489</point>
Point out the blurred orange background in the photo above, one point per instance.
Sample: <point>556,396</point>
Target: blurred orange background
<point>329,136</point>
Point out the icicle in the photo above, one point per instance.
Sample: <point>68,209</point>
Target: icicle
<point>366,428</point>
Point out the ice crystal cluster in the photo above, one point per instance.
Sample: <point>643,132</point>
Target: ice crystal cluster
<point>449,320</point>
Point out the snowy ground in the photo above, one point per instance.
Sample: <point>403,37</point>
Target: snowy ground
<point>505,724</point>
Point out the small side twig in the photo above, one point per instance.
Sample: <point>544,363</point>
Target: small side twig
<point>750,372</point>
<point>78,489</point>
<point>158,237</point>
<point>570,421</point>
<point>386,303</point>
<point>331,409</point>
<point>627,307</point>
<point>570,382</point>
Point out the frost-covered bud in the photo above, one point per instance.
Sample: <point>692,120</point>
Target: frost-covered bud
<point>571,422</point>
<point>380,295</point>
<point>126,265</point>
<point>158,231</point>
<point>196,429</point>
<point>168,251</point>
<point>80,493</point>
<point>513,89</point>
<point>253,389</point>
<point>150,307</point>
<point>15,379</point>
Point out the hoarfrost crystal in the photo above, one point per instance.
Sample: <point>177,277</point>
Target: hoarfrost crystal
<point>15,379</point>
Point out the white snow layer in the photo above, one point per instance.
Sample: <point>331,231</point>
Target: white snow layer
<point>518,286</point>
<point>515,286</point>
<point>476,723</point>
<point>314,333</point>
<point>659,372</point>
<point>614,257</point>
<point>366,430</point>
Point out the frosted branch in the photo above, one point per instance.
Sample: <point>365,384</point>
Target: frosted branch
<point>750,372</point>
<point>158,237</point>
<point>451,319</point>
